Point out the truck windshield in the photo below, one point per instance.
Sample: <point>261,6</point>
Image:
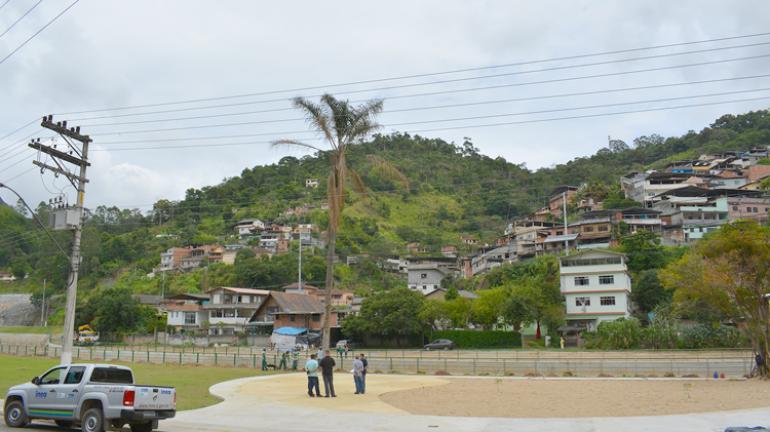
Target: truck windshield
<point>112,376</point>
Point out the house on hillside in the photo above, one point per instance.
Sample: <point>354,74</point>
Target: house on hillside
<point>281,309</point>
<point>247,228</point>
<point>557,197</point>
<point>185,312</point>
<point>229,309</point>
<point>311,183</point>
<point>339,297</point>
<point>426,274</point>
<point>596,287</point>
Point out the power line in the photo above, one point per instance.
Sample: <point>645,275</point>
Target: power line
<point>426,121</point>
<point>394,78</point>
<point>18,129</point>
<point>503,85</point>
<point>451,128</point>
<point>456,105</point>
<point>21,17</point>
<point>4,3</point>
<point>38,32</point>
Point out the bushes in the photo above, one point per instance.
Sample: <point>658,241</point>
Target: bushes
<point>628,334</point>
<point>480,339</point>
<point>702,336</point>
<point>619,334</point>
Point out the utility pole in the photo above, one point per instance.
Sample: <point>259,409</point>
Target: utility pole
<point>299,271</point>
<point>72,216</point>
<point>42,307</point>
<point>564,210</point>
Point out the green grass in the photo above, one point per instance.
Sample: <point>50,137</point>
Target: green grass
<point>31,329</point>
<point>192,382</point>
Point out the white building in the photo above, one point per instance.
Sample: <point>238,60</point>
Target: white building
<point>426,274</point>
<point>596,287</point>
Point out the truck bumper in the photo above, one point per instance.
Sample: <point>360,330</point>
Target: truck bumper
<point>132,416</point>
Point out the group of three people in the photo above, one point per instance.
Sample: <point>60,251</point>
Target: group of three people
<point>326,365</point>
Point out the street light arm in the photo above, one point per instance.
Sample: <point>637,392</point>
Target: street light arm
<point>34,216</point>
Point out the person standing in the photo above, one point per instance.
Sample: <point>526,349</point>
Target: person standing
<point>282,365</point>
<point>363,375</point>
<point>340,351</point>
<point>358,374</point>
<point>264,359</point>
<point>294,359</point>
<point>311,368</point>
<point>347,348</point>
<point>327,371</point>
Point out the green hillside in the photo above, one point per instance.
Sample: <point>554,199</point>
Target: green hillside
<point>453,190</point>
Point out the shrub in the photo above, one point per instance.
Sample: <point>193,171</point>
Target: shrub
<point>619,334</point>
<point>702,336</point>
<point>441,373</point>
<point>480,339</point>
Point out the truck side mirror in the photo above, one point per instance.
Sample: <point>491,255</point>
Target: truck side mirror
<point>35,380</point>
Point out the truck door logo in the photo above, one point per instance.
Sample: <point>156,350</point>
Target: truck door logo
<point>41,395</point>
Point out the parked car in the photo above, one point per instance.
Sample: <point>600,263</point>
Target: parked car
<point>440,344</point>
<point>92,396</point>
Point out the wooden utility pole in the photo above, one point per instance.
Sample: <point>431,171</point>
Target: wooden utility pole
<point>72,216</point>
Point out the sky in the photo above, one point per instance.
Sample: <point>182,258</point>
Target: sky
<point>105,54</point>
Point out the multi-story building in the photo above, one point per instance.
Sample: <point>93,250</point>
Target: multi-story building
<point>281,309</point>
<point>190,257</point>
<point>556,201</point>
<point>426,274</point>
<point>185,311</point>
<point>230,309</point>
<point>596,288</point>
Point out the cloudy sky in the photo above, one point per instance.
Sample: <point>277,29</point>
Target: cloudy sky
<point>254,56</point>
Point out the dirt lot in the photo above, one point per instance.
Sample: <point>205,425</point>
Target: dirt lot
<point>578,398</point>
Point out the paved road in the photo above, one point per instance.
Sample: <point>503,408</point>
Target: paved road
<point>244,411</point>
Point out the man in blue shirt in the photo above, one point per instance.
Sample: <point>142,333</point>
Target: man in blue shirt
<point>311,367</point>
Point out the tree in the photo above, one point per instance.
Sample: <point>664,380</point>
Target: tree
<point>643,250</point>
<point>648,292</point>
<point>115,312</point>
<point>21,208</point>
<point>394,313</point>
<point>729,271</point>
<point>434,314</point>
<point>617,146</point>
<point>459,311</point>
<point>489,307</point>
<point>341,125</point>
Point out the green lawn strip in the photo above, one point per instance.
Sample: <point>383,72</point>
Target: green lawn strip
<point>191,382</point>
<point>31,329</point>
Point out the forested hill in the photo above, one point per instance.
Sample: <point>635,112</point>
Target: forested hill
<point>452,190</point>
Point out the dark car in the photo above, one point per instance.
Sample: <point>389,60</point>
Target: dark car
<point>440,344</point>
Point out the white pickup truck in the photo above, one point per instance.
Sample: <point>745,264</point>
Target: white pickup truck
<point>93,396</point>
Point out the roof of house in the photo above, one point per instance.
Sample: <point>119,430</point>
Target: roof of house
<point>694,191</point>
<point>183,307</point>
<point>561,238</point>
<point>563,188</point>
<point>295,286</point>
<point>293,303</point>
<point>148,299</point>
<point>189,296</point>
<point>251,291</point>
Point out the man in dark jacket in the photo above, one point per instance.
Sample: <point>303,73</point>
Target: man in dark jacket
<point>366,369</point>
<point>327,370</point>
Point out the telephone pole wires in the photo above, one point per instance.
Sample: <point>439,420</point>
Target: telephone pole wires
<point>66,217</point>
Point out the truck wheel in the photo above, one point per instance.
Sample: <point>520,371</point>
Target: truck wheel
<point>92,421</point>
<point>63,423</point>
<point>141,427</point>
<point>15,415</point>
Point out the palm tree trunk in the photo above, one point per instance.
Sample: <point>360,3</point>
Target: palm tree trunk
<point>331,243</point>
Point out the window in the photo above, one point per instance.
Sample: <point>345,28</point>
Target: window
<point>292,318</point>
<point>316,318</point>
<point>582,301</point>
<point>54,376</point>
<point>607,301</point>
<point>735,208</point>
<point>423,275</point>
<point>112,375</point>
<point>756,210</point>
<point>189,318</point>
<point>581,281</point>
<point>424,287</point>
<point>606,280</point>
<point>75,375</point>
<point>603,228</point>
<point>588,229</point>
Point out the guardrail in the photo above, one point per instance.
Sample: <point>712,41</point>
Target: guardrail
<point>535,363</point>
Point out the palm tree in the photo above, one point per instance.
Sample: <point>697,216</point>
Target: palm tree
<point>341,125</point>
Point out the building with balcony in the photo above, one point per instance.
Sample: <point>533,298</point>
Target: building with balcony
<point>185,312</point>
<point>596,287</point>
<point>230,309</point>
<point>281,309</point>
<point>426,274</point>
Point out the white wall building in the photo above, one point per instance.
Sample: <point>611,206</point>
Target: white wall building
<point>596,287</point>
<point>230,309</point>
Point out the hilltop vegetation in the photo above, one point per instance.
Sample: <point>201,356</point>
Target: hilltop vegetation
<point>453,190</point>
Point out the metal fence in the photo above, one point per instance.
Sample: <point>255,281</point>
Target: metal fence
<point>731,363</point>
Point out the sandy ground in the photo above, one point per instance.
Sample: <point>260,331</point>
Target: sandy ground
<point>578,398</point>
